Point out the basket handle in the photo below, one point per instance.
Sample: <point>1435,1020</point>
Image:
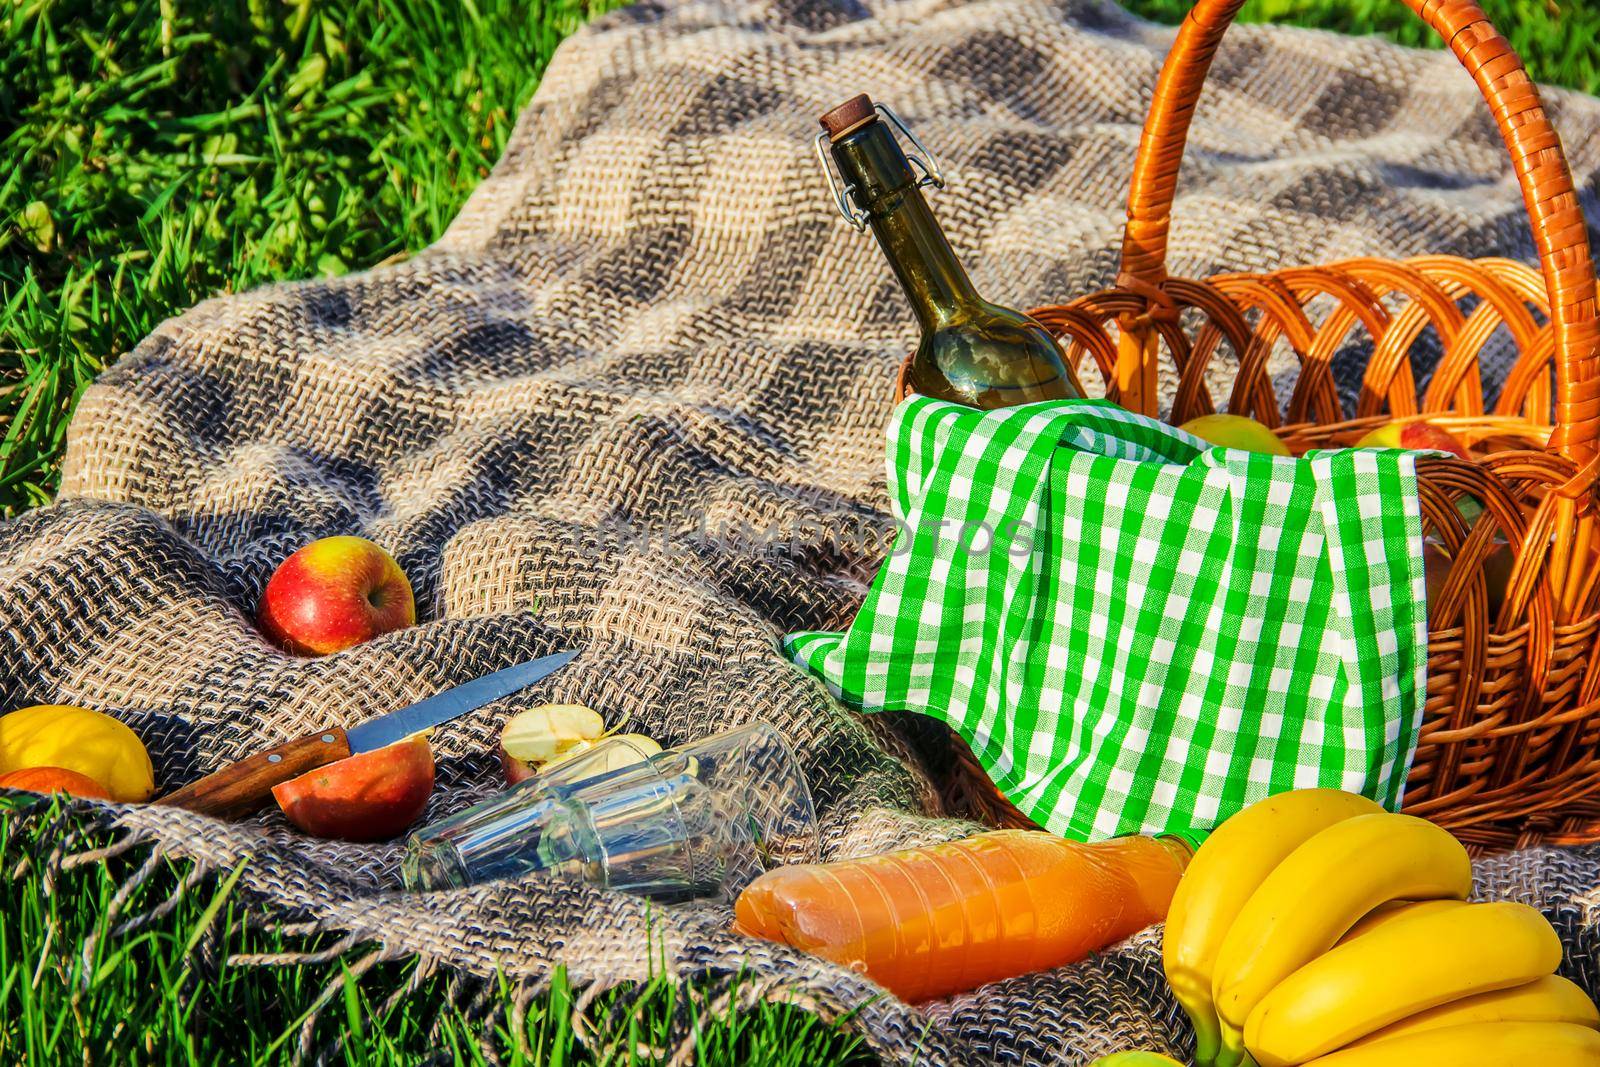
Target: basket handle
<point>1541,167</point>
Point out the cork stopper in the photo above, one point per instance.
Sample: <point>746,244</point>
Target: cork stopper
<point>854,112</point>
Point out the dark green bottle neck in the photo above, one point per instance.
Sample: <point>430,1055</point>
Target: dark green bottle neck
<point>886,189</point>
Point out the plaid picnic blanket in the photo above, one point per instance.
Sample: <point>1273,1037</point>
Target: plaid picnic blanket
<point>1137,632</point>
<point>646,331</point>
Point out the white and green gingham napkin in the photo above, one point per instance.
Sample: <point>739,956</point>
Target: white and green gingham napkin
<point>1137,632</point>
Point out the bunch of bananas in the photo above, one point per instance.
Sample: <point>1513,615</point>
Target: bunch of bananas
<point>1316,928</point>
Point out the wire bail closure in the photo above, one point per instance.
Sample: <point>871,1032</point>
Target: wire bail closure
<point>931,173</point>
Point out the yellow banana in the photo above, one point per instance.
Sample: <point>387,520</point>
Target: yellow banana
<point>1397,911</point>
<point>1395,971</point>
<point>1551,999</point>
<point>1224,872</point>
<point>1478,1045</point>
<point>1221,877</point>
<point>1318,892</point>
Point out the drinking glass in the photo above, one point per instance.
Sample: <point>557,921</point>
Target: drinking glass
<point>701,820</point>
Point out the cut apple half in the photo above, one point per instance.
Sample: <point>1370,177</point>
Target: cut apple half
<point>373,796</point>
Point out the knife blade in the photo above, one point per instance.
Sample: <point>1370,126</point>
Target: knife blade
<point>382,730</point>
<point>244,787</point>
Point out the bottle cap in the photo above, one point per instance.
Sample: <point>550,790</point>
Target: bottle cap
<point>854,112</point>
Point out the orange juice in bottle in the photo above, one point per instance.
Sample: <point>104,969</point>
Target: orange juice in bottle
<point>930,922</point>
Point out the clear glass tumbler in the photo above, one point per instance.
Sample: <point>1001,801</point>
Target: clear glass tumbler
<point>701,820</point>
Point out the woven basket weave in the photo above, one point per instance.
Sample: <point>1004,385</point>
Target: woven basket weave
<point>1507,751</point>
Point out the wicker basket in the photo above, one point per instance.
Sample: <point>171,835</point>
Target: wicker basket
<point>1507,751</point>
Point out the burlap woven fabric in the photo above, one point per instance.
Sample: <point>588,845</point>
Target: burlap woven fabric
<point>648,323</point>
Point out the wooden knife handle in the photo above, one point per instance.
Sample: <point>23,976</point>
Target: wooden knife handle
<point>244,788</point>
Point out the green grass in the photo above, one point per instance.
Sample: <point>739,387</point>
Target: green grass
<point>155,152</point>
<point>1558,40</point>
<point>166,994</point>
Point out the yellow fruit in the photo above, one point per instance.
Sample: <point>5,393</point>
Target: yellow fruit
<point>77,739</point>
<point>1136,1059</point>
<point>1396,971</point>
<point>1478,1045</point>
<point>1319,892</point>
<point>1415,434</point>
<point>1225,871</point>
<point>1237,431</point>
<point>1397,911</point>
<point>1551,999</point>
<point>548,731</point>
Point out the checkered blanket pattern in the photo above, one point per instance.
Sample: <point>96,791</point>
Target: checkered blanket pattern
<point>1137,632</point>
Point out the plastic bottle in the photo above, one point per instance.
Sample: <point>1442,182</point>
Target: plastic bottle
<point>931,922</point>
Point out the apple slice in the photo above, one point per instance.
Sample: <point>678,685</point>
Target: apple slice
<point>374,796</point>
<point>614,757</point>
<point>543,733</point>
<point>516,770</point>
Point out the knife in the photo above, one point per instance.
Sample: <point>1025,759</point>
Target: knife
<point>243,788</point>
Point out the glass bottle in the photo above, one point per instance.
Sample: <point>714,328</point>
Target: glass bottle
<point>971,351</point>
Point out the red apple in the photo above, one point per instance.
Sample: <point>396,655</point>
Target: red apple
<point>335,593</point>
<point>374,796</point>
<point>1416,436</point>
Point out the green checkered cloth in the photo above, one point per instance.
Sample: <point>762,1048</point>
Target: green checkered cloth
<point>1137,632</point>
